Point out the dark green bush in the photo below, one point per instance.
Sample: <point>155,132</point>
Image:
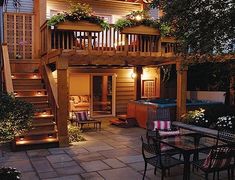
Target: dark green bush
<point>15,116</point>
<point>8,173</point>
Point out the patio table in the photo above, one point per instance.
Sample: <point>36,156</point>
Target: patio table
<point>186,145</point>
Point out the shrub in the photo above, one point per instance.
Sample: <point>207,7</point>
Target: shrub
<point>8,173</point>
<point>225,123</point>
<point>75,134</point>
<point>15,116</point>
<point>196,117</point>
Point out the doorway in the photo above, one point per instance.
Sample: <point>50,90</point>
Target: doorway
<point>103,95</point>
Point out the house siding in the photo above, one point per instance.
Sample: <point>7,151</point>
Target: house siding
<point>26,6</point>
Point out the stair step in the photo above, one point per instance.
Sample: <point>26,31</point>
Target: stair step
<point>43,119</point>
<point>31,92</point>
<point>52,123</point>
<point>41,141</point>
<point>40,104</point>
<point>27,86</point>
<point>24,66</point>
<point>26,81</point>
<point>50,126</point>
<point>37,133</point>
<point>33,99</point>
<point>41,111</point>
<point>26,75</point>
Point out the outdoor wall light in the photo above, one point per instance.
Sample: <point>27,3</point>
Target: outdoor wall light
<point>50,135</point>
<point>39,93</point>
<point>52,27</point>
<point>133,75</point>
<point>35,76</point>
<point>12,76</point>
<point>21,138</point>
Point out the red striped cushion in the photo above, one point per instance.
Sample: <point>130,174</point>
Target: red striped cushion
<point>162,125</point>
<point>219,159</point>
<point>81,116</point>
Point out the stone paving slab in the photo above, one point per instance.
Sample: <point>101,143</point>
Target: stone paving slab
<point>56,151</point>
<point>29,176</point>
<point>92,176</point>
<point>131,159</point>
<point>42,166</point>
<point>69,171</point>
<point>73,177</point>
<point>118,152</point>
<point>75,150</point>
<point>88,157</point>
<point>38,153</point>
<point>64,164</point>
<point>120,174</point>
<point>59,158</point>
<point>45,175</point>
<point>21,165</point>
<point>114,163</point>
<point>94,166</point>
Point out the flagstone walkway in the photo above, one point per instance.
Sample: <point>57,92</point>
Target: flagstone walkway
<point>112,154</point>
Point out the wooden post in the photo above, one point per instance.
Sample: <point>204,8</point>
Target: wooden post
<point>63,91</point>
<point>138,71</point>
<point>89,41</point>
<point>126,44</point>
<point>181,89</point>
<point>36,29</point>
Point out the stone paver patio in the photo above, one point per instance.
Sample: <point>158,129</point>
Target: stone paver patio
<point>112,153</point>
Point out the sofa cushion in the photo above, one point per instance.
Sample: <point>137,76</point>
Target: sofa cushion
<point>81,116</point>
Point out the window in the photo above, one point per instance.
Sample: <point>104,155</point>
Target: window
<point>148,88</point>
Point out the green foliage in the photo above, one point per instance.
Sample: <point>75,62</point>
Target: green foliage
<point>75,134</point>
<point>196,117</point>
<point>136,18</point>
<point>202,27</point>
<point>15,116</point>
<point>77,12</point>
<point>9,173</point>
<point>56,19</point>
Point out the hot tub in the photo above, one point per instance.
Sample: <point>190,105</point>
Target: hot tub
<point>139,109</point>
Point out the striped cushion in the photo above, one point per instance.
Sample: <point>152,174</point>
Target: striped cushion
<point>81,116</point>
<point>169,133</point>
<point>162,125</point>
<point>218,158</point>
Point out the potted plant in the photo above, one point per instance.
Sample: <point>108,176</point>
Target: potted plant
<point>79,17</point>
<point>139,22</point>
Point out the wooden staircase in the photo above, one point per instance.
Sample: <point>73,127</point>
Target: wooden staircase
<point>29,86</point>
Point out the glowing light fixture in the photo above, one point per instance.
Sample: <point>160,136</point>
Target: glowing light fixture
<point>138,17</point>
<point>35,76</point>
<point>133,75</point>
<point>50,135</point>
<point>12,76</point>
<point>39,93</point>
<point>21,138</point>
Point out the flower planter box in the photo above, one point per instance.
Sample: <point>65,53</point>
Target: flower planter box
<point>144,30</point>
<point>79,26</point>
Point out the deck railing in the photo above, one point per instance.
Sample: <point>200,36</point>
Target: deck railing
<point>109,41</point>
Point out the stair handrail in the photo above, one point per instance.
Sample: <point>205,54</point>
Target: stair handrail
<point>50,83</point>
<point>7,69</point>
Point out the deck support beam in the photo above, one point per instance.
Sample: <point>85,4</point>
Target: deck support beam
<point>62,112</point>
<point>181,89</point>
<point>36,29</point>
<point>138,70</point>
